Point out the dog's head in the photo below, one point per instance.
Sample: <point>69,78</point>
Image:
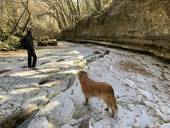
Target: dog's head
<point>82,74</point>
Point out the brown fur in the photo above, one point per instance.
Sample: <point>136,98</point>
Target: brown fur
<point>102,90</point>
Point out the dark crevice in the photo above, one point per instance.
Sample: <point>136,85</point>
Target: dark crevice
<point>17,119</point>
<point>5,70</point>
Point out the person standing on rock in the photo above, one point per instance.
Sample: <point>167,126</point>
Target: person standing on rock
<point>27,43</point>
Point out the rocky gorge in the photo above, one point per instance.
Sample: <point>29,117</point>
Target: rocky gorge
<point>140,25</point>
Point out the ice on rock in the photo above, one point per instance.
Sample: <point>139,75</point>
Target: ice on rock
<point>142,120</point>
<point>105,123</point>
<point>59,110</point>
<point>40,122</point>
<point>130,83</point>
<point>165,125</point>
<point>131,107</point>
<point>149,104</point>
<point>165,109</point>
<point>67,126</point>
<point>148,95</point>
<point>165,117</point>
<point>142,99</point>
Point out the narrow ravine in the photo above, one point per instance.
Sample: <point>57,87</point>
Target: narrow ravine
<point>50,97</point>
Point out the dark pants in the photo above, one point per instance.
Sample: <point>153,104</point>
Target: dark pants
<point>32,58</point>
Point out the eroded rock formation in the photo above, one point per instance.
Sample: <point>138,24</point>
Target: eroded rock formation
<point>142,25</point>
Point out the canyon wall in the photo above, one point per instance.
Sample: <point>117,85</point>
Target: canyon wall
<point>142,25</point>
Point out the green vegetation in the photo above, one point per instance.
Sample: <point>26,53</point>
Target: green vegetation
<point>43,17</point>
<point>12,43</point>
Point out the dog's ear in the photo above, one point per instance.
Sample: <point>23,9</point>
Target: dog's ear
<point>78,71</point>
<point>84,69</point>
<point>82,73</point>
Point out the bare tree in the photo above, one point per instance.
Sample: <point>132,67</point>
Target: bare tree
<point>26,5</point>
<point>19,14</point>
<point>98,5</point>
<point>1,6</point>
<point>17,23</point>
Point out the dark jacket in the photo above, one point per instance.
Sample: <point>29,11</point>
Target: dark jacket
<point>28,42</point>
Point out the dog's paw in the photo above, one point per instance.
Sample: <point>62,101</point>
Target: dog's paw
<point>113,115</point>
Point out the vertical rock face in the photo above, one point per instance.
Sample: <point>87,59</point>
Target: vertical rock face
<point>134,24</point>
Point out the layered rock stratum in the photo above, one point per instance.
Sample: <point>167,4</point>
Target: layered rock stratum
<point>142,25</point>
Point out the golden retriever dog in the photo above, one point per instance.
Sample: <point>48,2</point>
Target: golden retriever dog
<point>102,90</point>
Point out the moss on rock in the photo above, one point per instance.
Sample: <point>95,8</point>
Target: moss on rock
<point>12,43</point>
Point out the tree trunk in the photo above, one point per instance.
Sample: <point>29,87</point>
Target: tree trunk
<point>1,4</point>
<point>15,27</point>
<point>29,15</point>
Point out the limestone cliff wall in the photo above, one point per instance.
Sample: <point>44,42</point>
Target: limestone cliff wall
<point>133,24</point>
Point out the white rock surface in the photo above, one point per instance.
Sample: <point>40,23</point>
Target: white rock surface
<point>165,125</point>
<point>41,122</point>
<point>140,82</point>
